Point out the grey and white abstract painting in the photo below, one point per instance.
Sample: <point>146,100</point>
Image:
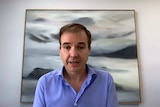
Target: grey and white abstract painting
<point>114,47</point>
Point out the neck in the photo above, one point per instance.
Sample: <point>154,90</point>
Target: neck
<point>75,76</point>
<point>75,79</point>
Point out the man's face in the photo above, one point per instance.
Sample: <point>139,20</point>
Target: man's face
<point>74,51</point>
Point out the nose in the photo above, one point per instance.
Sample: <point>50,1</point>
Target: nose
<point>73,52</point>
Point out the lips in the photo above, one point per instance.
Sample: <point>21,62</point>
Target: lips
<point>73,62</point>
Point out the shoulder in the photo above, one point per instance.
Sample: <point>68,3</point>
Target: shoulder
<point>100,73</point>
<point>52,75</point>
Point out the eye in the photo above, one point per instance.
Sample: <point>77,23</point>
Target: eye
<point>80,47</point>
<point>66,47</point>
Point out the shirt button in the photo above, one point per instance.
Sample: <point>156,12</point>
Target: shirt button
<point>75,104</point>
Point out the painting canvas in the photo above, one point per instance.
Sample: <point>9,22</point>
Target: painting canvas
<point>114,47</point>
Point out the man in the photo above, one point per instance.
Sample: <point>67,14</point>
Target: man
<point>76,84</point>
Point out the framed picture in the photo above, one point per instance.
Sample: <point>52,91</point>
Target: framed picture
<point>114,47</point>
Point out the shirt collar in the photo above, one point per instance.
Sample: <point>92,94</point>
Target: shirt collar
<point>60,73</point>
<point>91,74</point>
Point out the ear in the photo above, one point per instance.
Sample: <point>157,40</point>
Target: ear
<point>59,50</point>
<point>89,49</point>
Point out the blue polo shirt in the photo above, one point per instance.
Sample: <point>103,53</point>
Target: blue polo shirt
<point>98,90</point>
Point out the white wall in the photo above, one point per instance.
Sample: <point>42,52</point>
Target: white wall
<point>12,16</point>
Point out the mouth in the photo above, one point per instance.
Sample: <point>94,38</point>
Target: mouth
<point>73,63</point>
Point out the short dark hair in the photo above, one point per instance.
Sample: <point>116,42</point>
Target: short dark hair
<point>74,28</point>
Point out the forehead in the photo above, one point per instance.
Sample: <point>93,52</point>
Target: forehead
<point>72,37</point>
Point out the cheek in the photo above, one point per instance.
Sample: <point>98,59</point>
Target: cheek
<point>85,54</point>
<point>63,55</point>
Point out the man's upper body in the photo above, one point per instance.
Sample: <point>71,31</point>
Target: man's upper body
<point>98,90</point>
<point>76,85</point>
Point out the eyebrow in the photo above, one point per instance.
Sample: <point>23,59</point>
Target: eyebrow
<point>79,43</point>
<point>66,43</point>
